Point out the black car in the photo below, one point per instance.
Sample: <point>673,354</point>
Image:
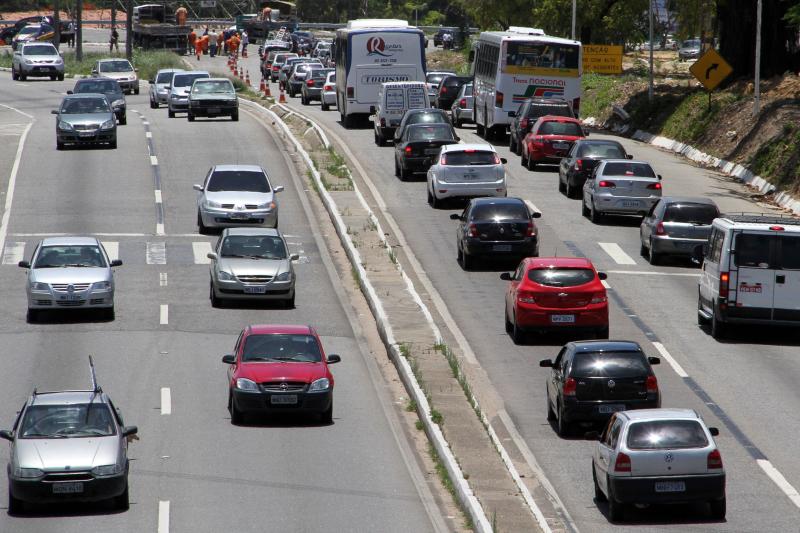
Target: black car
<point>448,90</point>
<point>591,380</point>
<point>108,87</point>
<point>527,115</point>
<point>497,227</point>
<point>419,145</point>
<point>420,116</point>
<point>581,159</point>
<point>437,37</point>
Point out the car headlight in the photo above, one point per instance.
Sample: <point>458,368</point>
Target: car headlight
<point>320,385</point>
<point>212,204</point>
<point>246,385</point>
<point>39,286</point>
<point>107,470</point>
<point>267,205</point>
<point>27,472</point>
<point>66,126</point>
<point>107,125</point>
<point>162,91</point>
<point>28,61</point>
<point>59,61</point>
<point>225,276</point>
<point>284,276</point>
<point>117,103</point>
<point>101,285</point>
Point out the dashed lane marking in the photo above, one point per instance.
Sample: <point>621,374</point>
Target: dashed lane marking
<point>162,279</point>
<point>148,135</point>
<point>163,516</point>
<point>200,250</point>
<point>159,228</point>
<point>617,254</point>
<point>779,480</point>
<point>671,360</point>
<point>163,318</point>
<point>166,401</point>
<point>158,196</point>
<point>153,160</point>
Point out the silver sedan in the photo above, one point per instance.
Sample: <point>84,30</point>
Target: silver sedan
<point>70,273</point>
<point>620,187</point>
<point>251,264</point>
<point>236,195</point>
<point>159,86</point>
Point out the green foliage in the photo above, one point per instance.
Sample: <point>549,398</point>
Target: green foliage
<point>148,62</point>
<point>598,94</point>
<point>779,159</point>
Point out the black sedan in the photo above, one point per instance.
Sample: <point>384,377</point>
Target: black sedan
<point>591,380</point>
<point>448,90</point>
<point>581,161</point>
<point>419,146</point>
<point>426,115</point>
<point>496,227</point>
<point>108,87</point>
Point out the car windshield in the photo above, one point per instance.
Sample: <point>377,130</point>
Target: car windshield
<point>541,109</point>
<point>28,30</point>
<point>609,364</point>
<point>602,150</point>
<point>40,50</point>
<point>430,133</point>
<point>427,117</point>
<point>165,77</point>
<point>64,421</point>
<point>332,77</point>
<point>437,77</point>
<point>561,277</point>
<point>318,73</point>
<point>238,180</point>
<point>502,211</point>
<point>213,87</point>
<point>79,106</point>
<point>253,247</point>
<point>666,434</point>
<point>98,86</point>
<point>691,213</point>
<point>641,170</point>
<point>692,43</point>
<point>470,157</point>
<point>186,80</point>
<point>552,127</point>
<point>282,347</point>
<point>70,256</point>
<point>115,66</point>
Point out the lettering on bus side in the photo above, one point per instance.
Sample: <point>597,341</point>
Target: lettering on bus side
<point>539,81</point>
<point>384,78</point>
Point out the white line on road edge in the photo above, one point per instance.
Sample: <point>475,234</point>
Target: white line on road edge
<point>148,135</point>
<point>163,516</point>
<point>672,362</point>
<point>779,480</point>
<point>153,160</point>
<point>650,273</point>
<point>200,249</point>
<point>14,253</point>
<point>617,253</point>
<point>112,249</point>
<point>162,279</point>
<point>166,401</point>
<point>158,196</point>
<point>12,180</point>
<point>163,318</point>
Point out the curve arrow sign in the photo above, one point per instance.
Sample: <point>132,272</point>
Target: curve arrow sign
<point>713,66</point>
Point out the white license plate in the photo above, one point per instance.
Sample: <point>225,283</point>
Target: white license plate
<point>255,290</point>
<point>283,399</point>
<point>608,409</point>
<point>86,133</point>
<point>562,319</point>
<point>630,203</point>
<point>70,297</point>
<point>213,110</point>
<point>560,146</point>
<point>501,248</point>
<point>670,486</point>
<point>67,488</point>
<point>431,150</point>
<point>239,216</point>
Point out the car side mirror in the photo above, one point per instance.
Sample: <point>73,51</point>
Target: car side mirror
<point>503,160</point>
<point>24,264</point>
<point>197,187</point>
<point>54,111</point>
<point>629,156</point>
<point>457,137</point>
<point>602,276</point>
<point>212,255</point>
<point>116,263</point>
<point>536,214</point>
<point>70,92</point>
<point>512,114</point>
<point>699,253</point>
<point>654,360</point>
<point>505,276</point>
<point>591,435</point>
<point>455,216</point>
<point>585,132</point>
<point>151,81</point>
<point>714,432</point>
<point>229,359</point>
<point>278,188</point>
<point>6,434</point>
<point>127,431</point>
<point>294,257</point>
<point>546,363</point>
<point>660,178</point>
<point>334,358</point>
<point>372,110</point>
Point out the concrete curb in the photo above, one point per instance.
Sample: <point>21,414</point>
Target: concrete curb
<point>434,432</point>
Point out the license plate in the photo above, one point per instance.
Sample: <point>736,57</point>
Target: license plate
<point>501,248</point>
<point>70,297</point>
<point>670,486</point>
<point>283,399</point>
<point>562,319</point>
<point>471,176</point>
<point>255,290</point>
<point>630,203</point>
<point>239,216</point>
<point>213,110</point>
<point>611,408</point>
<point>67,488</point>
<point>431,150</point>
<point>86,133</point>
<point>560,146</point>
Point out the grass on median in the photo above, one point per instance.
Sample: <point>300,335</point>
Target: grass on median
<point>148,62</point>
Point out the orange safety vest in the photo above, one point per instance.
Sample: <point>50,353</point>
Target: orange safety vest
<point>192,37</point>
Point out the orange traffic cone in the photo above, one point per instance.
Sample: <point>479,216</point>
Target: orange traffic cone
<point>261,86</point>
<point>282,97</point>
<point>266,90</point>
<point>241,73</point>
<point>247,78</point>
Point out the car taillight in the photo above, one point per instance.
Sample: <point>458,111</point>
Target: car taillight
<point>656,186</point>
<point>442,89</point>
<point>275,67</point>
<point>623,463</point>
<point>608,184</point>
<point>714,460</point>
<point>531,229</point>
<point>537,140</point>
<point>351,92</point>
<point>408,148</point>
<point>599,298</point>
<point>462,103</point>
<point>443,160</point>
<point>327,88</point>
<point>496,159</point>
<point>578,164</point>
<point>523,124</point>
<point>473,230</point>
<point>310,83</point>
<point>526,298</point>
<point>576,106</point>
<point>724,278</point>
<point>570,386</point>
<point>498,99</point>
<point>652,385</point>
<point>660,229</point>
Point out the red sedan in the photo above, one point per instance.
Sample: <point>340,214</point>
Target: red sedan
<point>555,293</point>
<point>279,369</point>
<point>550,139</point>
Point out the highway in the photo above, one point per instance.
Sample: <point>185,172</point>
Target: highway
<point>159,360</point>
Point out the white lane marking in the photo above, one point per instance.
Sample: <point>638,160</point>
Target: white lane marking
<point>671,360</point>
<point>148,135</point>
<point>162,279</point>
<point>605,284</point>
<point>13,253</point>
<point>24,114</point>
<point>159,228</point>
<point>12,181</point>
<point>200,249</point>
<point>153,160</point>
<point>158,196</point>
<point>163,516</point>
<point>779,480</point>
<point>88,233</point>
<point>650,273</point>
<point>532,207</point>
<point>166,401</point>
<point>156,253</point>
<point>163,318</point>
<point>617,254</point>
<point>112,249</point>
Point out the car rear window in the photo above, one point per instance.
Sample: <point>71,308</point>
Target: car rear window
<point>186,80</point>
<point>666,434</point>
<point>552,127</point>
<point>281,347</point>
<point>559,110</point>
<point>427,118</point>
<point>429,133</point>
<point>238,180</point>
<point>97,86</point>
<point>611,365</point>
<point>790,252</point>
<point>641,170</point>
<point>500,211</point>
<point>604,150</point>
<point>561,277</point>
<point>470,157</point>
<point>435,78</point>
<point>752,250</point>
<point>691,213</point>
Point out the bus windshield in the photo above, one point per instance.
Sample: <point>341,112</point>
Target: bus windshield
<point>542,55</point>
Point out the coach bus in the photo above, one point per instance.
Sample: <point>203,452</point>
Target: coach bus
<point>511,66</point>
<point>369,52</point>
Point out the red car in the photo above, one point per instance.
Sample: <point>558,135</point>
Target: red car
<point>555,293</point>
<point>550,139</point>
<point>279,369</point>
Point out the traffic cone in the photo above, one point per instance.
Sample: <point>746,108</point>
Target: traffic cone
<point>282,97</point>
<point>241,73</point>
<point>247,78</point>
<point>267,93</point>
<point>261,86</point>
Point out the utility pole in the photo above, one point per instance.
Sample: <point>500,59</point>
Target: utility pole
<point>757,87</point>
<point>57,24</point>
<point>79,30</point>
<point>129,29</point>
<point>113,13</point>
<point>574,8</point>
<point>650,87</point>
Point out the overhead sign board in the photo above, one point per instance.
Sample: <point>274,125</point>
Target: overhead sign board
<point>711,69</point>
<point>602,58</point>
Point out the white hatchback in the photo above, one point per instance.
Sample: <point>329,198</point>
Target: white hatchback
<point>466,171</point>
<point>329,91</point>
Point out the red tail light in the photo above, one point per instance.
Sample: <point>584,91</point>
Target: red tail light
<point>570,386</point>
<point>578,164</point>
<point>351,92</point>
<point>523,124</point>
<point>660,229</point>
<point>383,125</point>
<point>276,67</point>
<point>608,184</point>
<point>724,278</point>
<point>599,298</point>
<point>714,460</point>
<point>310,83</point>
<point>498,99</point>
<point>462,103</point>
<point>531,229</point>
<point>442,89</point>
<point>408,150</point>
<point>656,186</point>
<point>526,298</point>
<point>473,230</point>
<point>652,385</point>
<point>623,463</point>
<point>537,140</point>
<point>496,159</point>
<point>443,160</point>
<point>327,88</point>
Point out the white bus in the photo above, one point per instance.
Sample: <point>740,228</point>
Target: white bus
<point>370,52</point>
<point>511,66</point>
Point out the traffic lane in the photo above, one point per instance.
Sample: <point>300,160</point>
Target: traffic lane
<point>289,471</point>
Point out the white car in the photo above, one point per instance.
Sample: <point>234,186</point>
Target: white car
<point>329,91</point>
<point>657,456</point>
<point>466,171</point>
<point>120,70</point>
<point>620,187</point>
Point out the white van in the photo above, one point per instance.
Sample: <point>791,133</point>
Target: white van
<point>394,99</point>
<point>750,272</point>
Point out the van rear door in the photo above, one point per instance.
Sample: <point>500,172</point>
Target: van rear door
<point>787,277</point>
<point>752,284</point>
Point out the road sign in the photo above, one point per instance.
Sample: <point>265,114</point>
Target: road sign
<point>711,69</point>
<point>603,59</point>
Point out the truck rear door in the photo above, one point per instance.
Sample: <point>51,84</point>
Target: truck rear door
<point>787,277</point>
<point>752,277</point>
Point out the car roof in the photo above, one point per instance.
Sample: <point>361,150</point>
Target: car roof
<point>663,413</point>
<point>447,72</point>
<point>759,221</point>
<point>686,200</point>
<point>555,262</point>
<point>631,161</point>
<point>72,240</point>
<point>203,80</point>
<point>431,110</point>
<point>605,346</point>
<point>75,96</point>
<point>248,168</point>
<point>266,329</point>
<point>109,59</point>
<point>67,397</point>
<point>26,44</point>
<point>92,80</point>
<point>163,70</point>
<point>483,147</point>
<point>548,101</point>
<point>583,142</point>
<point>559,118</point>
<point>272,232</point>
<point>194,72</point>
<point>498,201</point>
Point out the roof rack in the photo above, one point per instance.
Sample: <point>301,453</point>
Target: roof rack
<point>762,218</point>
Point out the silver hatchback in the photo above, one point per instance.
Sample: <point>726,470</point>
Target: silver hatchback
<point>676,226</point>
<point>620,187</point>
<point>70,273</point>
<point>160,85</point>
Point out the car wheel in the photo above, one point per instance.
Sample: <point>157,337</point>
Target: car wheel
<point>14,75</point>
<point>459,123</point>
<point>404,174</point>
<point>598,494</point>
<point>15,505</point>
<point>201,227</point>
<point>642,247</point>
<point>616,510</point>
<point>171,113</point>
<point>562,424</point>
<point>235,116</point>
<point>53,77</point>
<point>652,256</point>
<point>123,119</point>
<point>289,302</point>
<point>584,209</point>
<point>561,187</point>
<point>396,168</point>
<point>237,417</point>
<point>153,104</point>
<point>512,146</point>
<point>326,417</point>
<point>718,508</point>
<point>479,129</point>
<point>466,260</point>
<point>59,145</point>
<point>718,327</point>
<point>551,415</point>
<point>303,99</point>
<point>190,117</point>
<point>122,502</point>
<point>517,334</point>
<point>530,163</point>
<point>701,320</point>
<point>136,91</point>
<point>509,325</point>
<point>594,214</point>
<point>33,315</point>
<point>324,106</point>
<point>22,76</point>
<point>435,202</point>
<point>216,302</point>
<point>109,314</point>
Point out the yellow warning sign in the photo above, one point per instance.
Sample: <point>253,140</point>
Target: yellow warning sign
<point>602,58</point>
<point>711,69</point>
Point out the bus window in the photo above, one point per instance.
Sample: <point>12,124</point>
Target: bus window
<point>520,54</point>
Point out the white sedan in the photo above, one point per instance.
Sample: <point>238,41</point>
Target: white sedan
<point>657,456</point>
<point>466,171</point>
<point>329,91</point>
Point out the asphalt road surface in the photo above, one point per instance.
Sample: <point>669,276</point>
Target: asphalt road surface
<point>191,469</point>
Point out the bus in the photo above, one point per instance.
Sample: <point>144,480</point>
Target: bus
<point>369,52</point>
<point>511,66</point>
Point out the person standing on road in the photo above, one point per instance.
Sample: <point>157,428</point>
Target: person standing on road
<point>245,42</point>
<point>198,48</point>
<point>192,41</point>
<point>221,42</point>
<point>113,42</point>
<point>212,42</point>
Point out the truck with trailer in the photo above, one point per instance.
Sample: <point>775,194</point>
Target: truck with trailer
<point>154,28</point>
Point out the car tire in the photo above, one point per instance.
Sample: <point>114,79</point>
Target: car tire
<point>216,302</point>
<point>122,502</point>
<point>562,424</point>
<point>123,120</point>
<point>509,325</point>
<point>170,113</point>
<point>326,417</point>
<point>512,146</point>
<point>435,202</point>
<point>235,116</point>
<point>517,334</point>
<point>616,510</point>
<point>598,494</point>
<point>466,261</point>
<point>59,145</point>
<point>404,174</point>
<point>653,257</point>
<point>459,123</point>
<point>324,106</point>
<point>237,417</point>
<point>584,209</point>
<point>529,164</point>
<point>109,314</point>
<point>289,302</point>
<point>22,76</point>
<point>190,117</point>
<point>551,415</point>
<point>594,215</point>
<point>14,75</point>
<point>153,104</point>
<point>718,327</point>
<point>32,316</point>
<point>396,168</point>
<point>15,505</point>
<point>479,129</point>
<point>53,77</point>
<point>642,247</point>
<point>718,508</point>
<point>136,91</point>
<point>201,227</point>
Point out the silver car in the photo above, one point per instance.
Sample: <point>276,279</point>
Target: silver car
<point>68,446</point>
<point>676,226</point>
<point>178,100</point>
<point>461,110</point>
<point>251,264</point>
<point>159,86</point>
<point>85,119</point>
<point>120,70</point>
<point>690,49</point>
<point>620,187</point>
<point>37,59</point>
<point>466,171</point>
<point>70,273</point>
<point>329,91</point>
<point>236,195</point>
